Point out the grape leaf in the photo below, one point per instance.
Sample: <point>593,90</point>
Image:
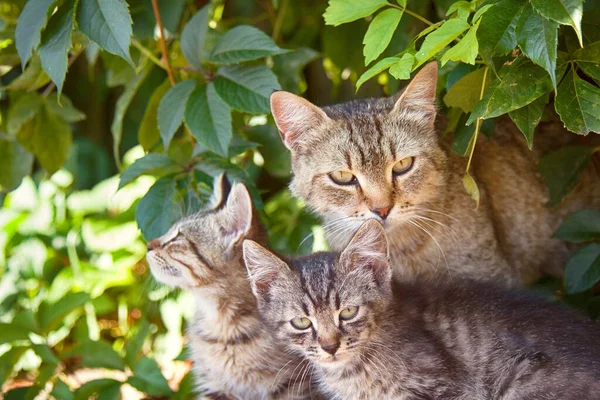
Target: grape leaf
<point>577,102</point>
<point>565,12</point>
<point>440,38</point>
<point>380,32</point>
<point>466,50</point>
<point>497,32</point>
<point>527,118</point>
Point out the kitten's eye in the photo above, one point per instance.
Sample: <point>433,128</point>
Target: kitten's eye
<point>343,178</point>
<point>403,166</point>
<point>301,323</point>
<point>348,313</point>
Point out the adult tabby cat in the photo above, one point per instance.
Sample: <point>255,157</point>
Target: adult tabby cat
<point>371,338</point>
<point>382,159</point>
<point>234,356</point>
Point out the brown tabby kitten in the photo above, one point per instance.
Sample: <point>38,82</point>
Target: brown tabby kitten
<point>370,338</point>
<point>382,159</point>
<point>234,356</point>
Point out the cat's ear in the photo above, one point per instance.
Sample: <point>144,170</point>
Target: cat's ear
<point>420,92</point>
<point>367,253</point>
<point>295,117</point>
<point>263,267</point>
<point>238,210</point>
<point>221,188</point>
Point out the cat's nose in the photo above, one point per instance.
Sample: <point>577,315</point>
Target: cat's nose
<point>382,212</point>
<point>154,243</point>
<point>330,346</point>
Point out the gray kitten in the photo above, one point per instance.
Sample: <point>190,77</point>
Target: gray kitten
<point>370,338</point>
<point>234,355</point>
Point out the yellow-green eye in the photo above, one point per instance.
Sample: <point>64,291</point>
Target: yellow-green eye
<point>348,313</point>
<point>343,178</point>
<point>403,165</point>
<point>301,323</point>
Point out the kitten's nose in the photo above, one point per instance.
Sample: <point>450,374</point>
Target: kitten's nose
<point>154,243</point>
<point>382,212</point>
<point>330,346</point>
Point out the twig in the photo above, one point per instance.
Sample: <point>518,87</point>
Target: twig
<point>279,20</point>
<point>145,51</point>
<point>163,44</point>
<point>478,122</point>
<point>414,14</point>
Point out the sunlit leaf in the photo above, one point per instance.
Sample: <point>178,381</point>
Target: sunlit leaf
<point>466,50</point>
<point>402,68</point>
<point>342,11</point>
<point>379,67</point>
<point>440,38</point>
<point>380,33</point>
<point>465,93</point>
<point>50,315</point>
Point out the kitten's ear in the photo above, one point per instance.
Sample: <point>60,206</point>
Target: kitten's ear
<point>221,188</point>
<point>295,117</point>
<point>263,267</point>
<point>420,92</point>
<point>239,214</point>
<point>367,253</point>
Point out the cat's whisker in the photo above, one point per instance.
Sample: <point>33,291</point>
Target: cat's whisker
<point>277,376</point>
<point>434,240</point>
<point>435,212</point>
<point>453,237</point>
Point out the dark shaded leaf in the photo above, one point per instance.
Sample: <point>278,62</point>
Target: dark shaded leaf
<point>97,354</point>
<point>519,84</point>
<point>497,30</point>
<point>244,43</point>
<point>147,165</point>
<point>582,226</point>
<point>565,12</point>
<point>61,391</point>
<point>149,133</point>
<point>246,88</point>
<point>99,389</point>
<point>209,119</point>
<point>288,68</point>
<point>537,37</point>
<point>134,344</point>
<point>108,23</point>
<point>578,104</point>
<point>64,109</point>
<point>11,332</point>
<point>56,43</point>
<point>15,163</point>
<point>583,269</point>
<point>560,170</point>
<point>148,378</point>
<point>194,35</point>
<point>588,59</point>
<point>31,21</point>
<point>50,315</point>
<point>527,118</point>
<point>465,93</point>
<point>171,109</point>
<point>22,110</point>
<point>159,209</point>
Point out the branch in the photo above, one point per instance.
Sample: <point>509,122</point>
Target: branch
<point>414,14</point>
<point>163,44</point>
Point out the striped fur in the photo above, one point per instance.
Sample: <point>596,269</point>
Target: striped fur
<point>421,340</point>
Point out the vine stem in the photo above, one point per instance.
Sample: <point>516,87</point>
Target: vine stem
<point>148,53</point>
<point>478,122</point>
<point>412,13</point>
<point>163,44</point>
<point>279,20</point>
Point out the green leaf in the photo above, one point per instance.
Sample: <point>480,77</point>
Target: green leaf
<point>97,354</point>
<point>64,109</point>
<point>50,315</point>
<point>565,12</point>
<point>8,361</point>
<point>588,59</point>
<point>48,137</point>
<point>99,389</point>
<point>581,226</point>
<point>194,36</point>
<point>402,68</point>
<point>440,38</point>
<point>121,108</point>
<point>22,110</point>
<point>288,68</point>
<point>518,84</point>
<point>480,13</point>
<point>31,21</point>
<point>15,163</point>
<point>145,166</point>
<point>577,102</point>
<point>462,8</point>
<point>56,43</point>
<point>134,344</point>
<point>171,109</point>
<point>159,209</point>
<point>560,170</point>
<point>108,23</point>
<point>209,119</point>
<point>465,93</point>
<point>528,117</point>
<point>246,88</point>
<point>45,353</point>
<point>380,32</point>
<point>379,66</point>
<point>33,78</point>
<point>148,379</point>
<point>244,43</point>
<point>11,332</point>
<point>342,11</point>
<point>471,187</point>
<point>61,390</point>
<point>149,133</point>
<point>582,271</point>
<point>466,50</point>
<point>497,34</point>
<point>537,37</point>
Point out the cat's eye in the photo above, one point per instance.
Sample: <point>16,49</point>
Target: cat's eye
<point>343,178</point>
<point>348,313</point>
<point>403,166</point>
<point>301,323</point>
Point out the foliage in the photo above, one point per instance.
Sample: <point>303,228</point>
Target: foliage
<point>111,128</point>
